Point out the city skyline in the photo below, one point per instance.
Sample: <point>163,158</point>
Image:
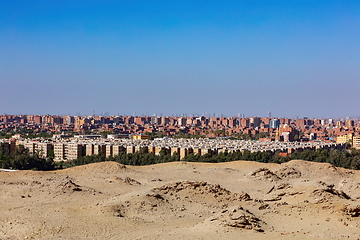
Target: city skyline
<point>297,58</point>
<point>145,127</point>
<point>205,114</point>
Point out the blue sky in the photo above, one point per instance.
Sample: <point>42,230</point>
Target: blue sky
<point>293,58</point>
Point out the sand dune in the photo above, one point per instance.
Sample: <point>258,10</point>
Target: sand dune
<point>237,200</point>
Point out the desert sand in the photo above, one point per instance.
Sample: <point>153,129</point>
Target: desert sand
<point>181,200</point>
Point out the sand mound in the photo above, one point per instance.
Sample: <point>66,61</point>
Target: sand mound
<point>296,200</point>
<point>313,169</point>
<point>202,202</point>
<point>97,168</point>
<point>202,190</point>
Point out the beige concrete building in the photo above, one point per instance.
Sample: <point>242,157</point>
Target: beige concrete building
<point>117,150</point>
<point>184,152</point>
<point>130,149</point>
<point>174,150</point>
<point>356,142</point>
<point>43,149</point>
<point>67,151</point>
<point>158,150</point>
<point>31,147</point>
<point>137,148</point>
<point>109,151</point>
<point>59,151</point>
<point>151,149</point>
<point>344,138</point>
<point>73,151</point>
<point>89,149</point>
<point>100,149</point>
<point>197,151</point>
<point>205,151</point>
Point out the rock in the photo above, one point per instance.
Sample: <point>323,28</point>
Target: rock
<point>271,189</point>
<point>129,181</point>
<point>195,187</point>
<point>288,172</point>
<point>264,206</point>
<point>70,185</point>
<point>241,197</point>
<point>156,195</point>
<point>265,174</point>
<point>245,222</point>
<point>353,211</point>
<point>329,192</point>
<point>278,198</point>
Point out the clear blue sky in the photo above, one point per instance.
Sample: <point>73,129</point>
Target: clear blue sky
<point>293,58</point>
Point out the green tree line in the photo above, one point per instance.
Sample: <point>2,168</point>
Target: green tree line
<point>21,159</point>
<point>339,158</point>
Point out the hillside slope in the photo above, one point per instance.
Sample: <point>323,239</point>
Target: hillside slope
<point>181,200</point>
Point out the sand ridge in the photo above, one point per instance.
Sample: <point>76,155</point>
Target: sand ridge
<point>182,200</point>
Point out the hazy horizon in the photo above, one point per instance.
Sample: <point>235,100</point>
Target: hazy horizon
<point>105,114</point>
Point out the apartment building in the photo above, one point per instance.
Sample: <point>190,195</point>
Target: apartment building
<point>116,150</point>
<point>109,151</point>
<point>67,151</point>
<point>89,149</point>
<point>30,146</point>
<point>73,151</point>
<point>356,142</point>
<point>344,138</point>
<point>100,149</point>
<point>59,151</point>
<point>43,149</point>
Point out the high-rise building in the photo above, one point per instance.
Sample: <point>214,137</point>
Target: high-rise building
<point>70,120</point>
<point>274,123</point>
<point>181,121</point>
<point>244,122</point>
<point>350,123</point>
<point>255,121</point>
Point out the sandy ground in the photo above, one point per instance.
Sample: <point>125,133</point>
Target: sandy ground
<point>237,200</point>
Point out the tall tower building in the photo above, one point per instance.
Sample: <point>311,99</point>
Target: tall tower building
<point>274,123</point>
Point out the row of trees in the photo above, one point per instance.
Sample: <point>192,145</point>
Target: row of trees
<point>22,160</point>
<point>25,132</point>
<point>135,159</point>
<point>343,158</point>
<point>339,158</point>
